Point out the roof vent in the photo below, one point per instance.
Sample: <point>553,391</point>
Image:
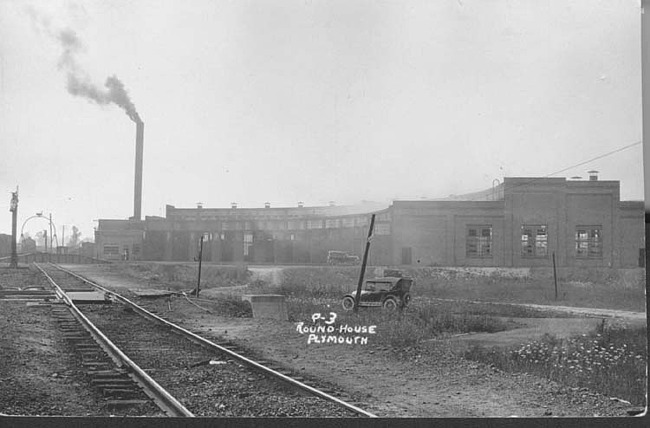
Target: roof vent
<point>593,175</point>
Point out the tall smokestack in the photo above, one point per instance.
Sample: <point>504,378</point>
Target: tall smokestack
<point>137,193</point>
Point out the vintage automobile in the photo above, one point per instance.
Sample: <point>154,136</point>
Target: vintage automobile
<point>386,292</point>
<point>341,258</point>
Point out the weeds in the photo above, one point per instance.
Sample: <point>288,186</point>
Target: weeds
<point>611,360</point>
<point>400,328</point>
<point>233,305</point>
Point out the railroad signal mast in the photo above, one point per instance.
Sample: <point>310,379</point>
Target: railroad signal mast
<point>13,207</point>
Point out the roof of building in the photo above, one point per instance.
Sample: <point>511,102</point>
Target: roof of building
<point>492,194</point>
<point>323,211</point>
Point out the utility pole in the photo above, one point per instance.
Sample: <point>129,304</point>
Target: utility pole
<point>14,220</point>
<point>363,264</point>
<point>45,234</point>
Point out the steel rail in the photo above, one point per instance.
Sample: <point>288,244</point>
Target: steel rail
<point>157,393</point>
<point>211,345</point>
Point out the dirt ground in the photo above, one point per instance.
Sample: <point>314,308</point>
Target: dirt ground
<point>427,382</point>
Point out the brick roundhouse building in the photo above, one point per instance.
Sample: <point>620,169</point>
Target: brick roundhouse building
<point>519,223</point>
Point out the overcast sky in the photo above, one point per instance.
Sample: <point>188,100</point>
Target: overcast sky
<point>313,101</point>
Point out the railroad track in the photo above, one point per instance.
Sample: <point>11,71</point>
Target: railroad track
<point>210,379</point>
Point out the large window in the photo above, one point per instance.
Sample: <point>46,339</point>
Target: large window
<point>314,224</point>
<point>331,223</point>
<point>479,241</point>
<point>111,250</point>
<point>248,243</point>
<point>589,242</point>
<point>534,241</point>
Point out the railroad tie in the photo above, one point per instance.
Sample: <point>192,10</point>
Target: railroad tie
<point>88,344</point>
<point>75,336</point>
<point>105,382</point>
<point>124,403</point>
<point>95,363</point>
<point>117,373</point>
<point>120,392</point>
<point>85,348</point>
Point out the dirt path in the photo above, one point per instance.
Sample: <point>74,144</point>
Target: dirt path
<point>631,316</point>
<point>531,328</point>
<point>595,312</point>
<point>428,382</point>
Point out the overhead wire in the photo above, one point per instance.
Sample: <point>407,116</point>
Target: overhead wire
<point>532,180</point>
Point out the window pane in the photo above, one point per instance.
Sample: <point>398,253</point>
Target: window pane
<point>534,241</point>
<point>479,241</point>
<point>589,242</point>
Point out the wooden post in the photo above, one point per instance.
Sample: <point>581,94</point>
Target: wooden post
<point>555,275</point>
<point>198,284</point>
<point>363,264</point>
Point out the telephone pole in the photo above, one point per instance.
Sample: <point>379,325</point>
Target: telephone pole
<point>14,219</point>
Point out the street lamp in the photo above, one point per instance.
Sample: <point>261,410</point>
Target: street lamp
<point>52,227</point>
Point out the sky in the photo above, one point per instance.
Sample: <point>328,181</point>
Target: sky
<point>313,101</point>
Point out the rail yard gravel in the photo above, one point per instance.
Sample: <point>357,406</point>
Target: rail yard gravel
<point>40,373</point>
<point>207,383</point>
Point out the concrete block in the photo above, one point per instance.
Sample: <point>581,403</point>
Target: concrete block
<point>268,306</point>
<point>88,297</point>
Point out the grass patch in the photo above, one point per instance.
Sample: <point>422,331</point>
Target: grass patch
<point>611,360</point>
<point>498,309</point>
<point>605,288</point>
<point>318,282</point>
<point>596,288</point>
<point>179,276</point>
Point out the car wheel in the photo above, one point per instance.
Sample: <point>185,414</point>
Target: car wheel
<point>390,303</point>
<point>348,303</point>
<point>406,299</point>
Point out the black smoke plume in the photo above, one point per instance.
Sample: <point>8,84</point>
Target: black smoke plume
<point>79,83</point>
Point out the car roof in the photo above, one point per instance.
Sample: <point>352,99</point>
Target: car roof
<point>389,280</point>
